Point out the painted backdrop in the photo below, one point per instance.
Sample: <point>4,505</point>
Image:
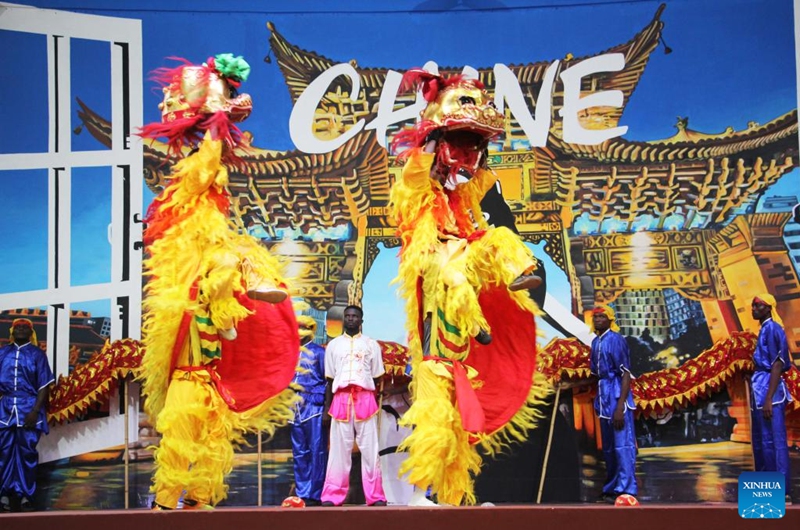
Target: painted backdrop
<point>649,160</point>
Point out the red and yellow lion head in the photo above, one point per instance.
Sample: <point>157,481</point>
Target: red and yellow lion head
<point>459,114</point>
<point>200,99</point>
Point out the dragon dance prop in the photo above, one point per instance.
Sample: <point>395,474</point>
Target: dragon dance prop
<point>471,325</point>
<point>220,335</point>
<point>93,382</point>
<point>673,388</point>
<point>395,358</point>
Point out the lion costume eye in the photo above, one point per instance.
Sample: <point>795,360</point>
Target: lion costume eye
<point>466,100</point>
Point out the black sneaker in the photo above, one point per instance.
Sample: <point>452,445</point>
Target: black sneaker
<point>378,503</point>
<point>483,338</point>
<point>606,498</point>
<point>526,282</point>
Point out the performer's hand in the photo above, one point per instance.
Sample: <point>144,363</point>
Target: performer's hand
<point>566,383</point>
<point>228,334</point>
<point>618,420</point>
<point>30,419</point>
<point>484,163</point>
<point>767,409</point>
<point>393,390</point>
<point>434,136</point>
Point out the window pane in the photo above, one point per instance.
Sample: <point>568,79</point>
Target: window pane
<point>91,217</point>
<point>23,93</point>
<point>23,230</point>
<point>90,78</point>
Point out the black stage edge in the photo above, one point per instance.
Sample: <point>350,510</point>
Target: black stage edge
<point>553,517</point>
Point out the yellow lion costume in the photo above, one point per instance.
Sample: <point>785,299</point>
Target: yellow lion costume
<point>472,331</point>
<point>220,335</point>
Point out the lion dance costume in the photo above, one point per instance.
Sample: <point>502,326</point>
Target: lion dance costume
<point>472,331</point>
<point>219,329</point>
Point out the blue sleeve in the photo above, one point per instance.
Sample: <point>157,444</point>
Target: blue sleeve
<point>320,359</point>
<point>44,376</point>
<point>778,346</point>
<point>620,354</point>
<point>593,356</point>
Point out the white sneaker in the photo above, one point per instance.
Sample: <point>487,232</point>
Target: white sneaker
<point>228,334</point>
<point>419,499</point>
<point>271,295</point>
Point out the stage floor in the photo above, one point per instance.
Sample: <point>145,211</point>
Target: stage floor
<point>543,517</point>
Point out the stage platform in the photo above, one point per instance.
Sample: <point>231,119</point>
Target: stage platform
<point>544,517</point>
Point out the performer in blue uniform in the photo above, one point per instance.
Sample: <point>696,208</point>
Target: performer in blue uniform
<point>25,379</point>
<point>610,363</point>
<point>769,394</point>
<point>309,438</point>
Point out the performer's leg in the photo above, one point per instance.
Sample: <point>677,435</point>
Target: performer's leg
<point>439,454</point>
<point>767,444</point>
<point>780,444</point>
<point>458,484</point>
<point>427,324</point>
<point>19,461</point>
<point>8,455</point>
<point>457,312</point>
<point>186,424</point>
<point>418,498</point>
<point>259,287</point>
<point>397,489</point>
<point>207,483</point>
<point>500,257</point>
<point>757,439</point>
<point>609,455</point>
<point>340,459</point>
<point>367,440</point>
<point>431,439</point>
<point>301,453</point>
<point>318,446</point>
<point>625,456</point>
<point>459,315</point>
<point>27,439</point>
<point>169,460</point>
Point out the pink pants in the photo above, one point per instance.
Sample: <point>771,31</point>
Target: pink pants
<point>350,405</point>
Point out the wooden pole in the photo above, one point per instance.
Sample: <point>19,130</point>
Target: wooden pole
<point>124,387</point>
<point>259,470</point>
<point>751,410</point>
<point>549,443</point>
<point>380,406</point>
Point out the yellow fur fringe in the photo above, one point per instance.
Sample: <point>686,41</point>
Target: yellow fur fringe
<point>200,433</point>
<point>440,455</point>
<point>203,246</point>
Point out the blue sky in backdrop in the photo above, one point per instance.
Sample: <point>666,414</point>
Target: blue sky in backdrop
<point>733,61</point>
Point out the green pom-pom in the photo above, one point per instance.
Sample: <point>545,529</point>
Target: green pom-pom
<point>232,67</point>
